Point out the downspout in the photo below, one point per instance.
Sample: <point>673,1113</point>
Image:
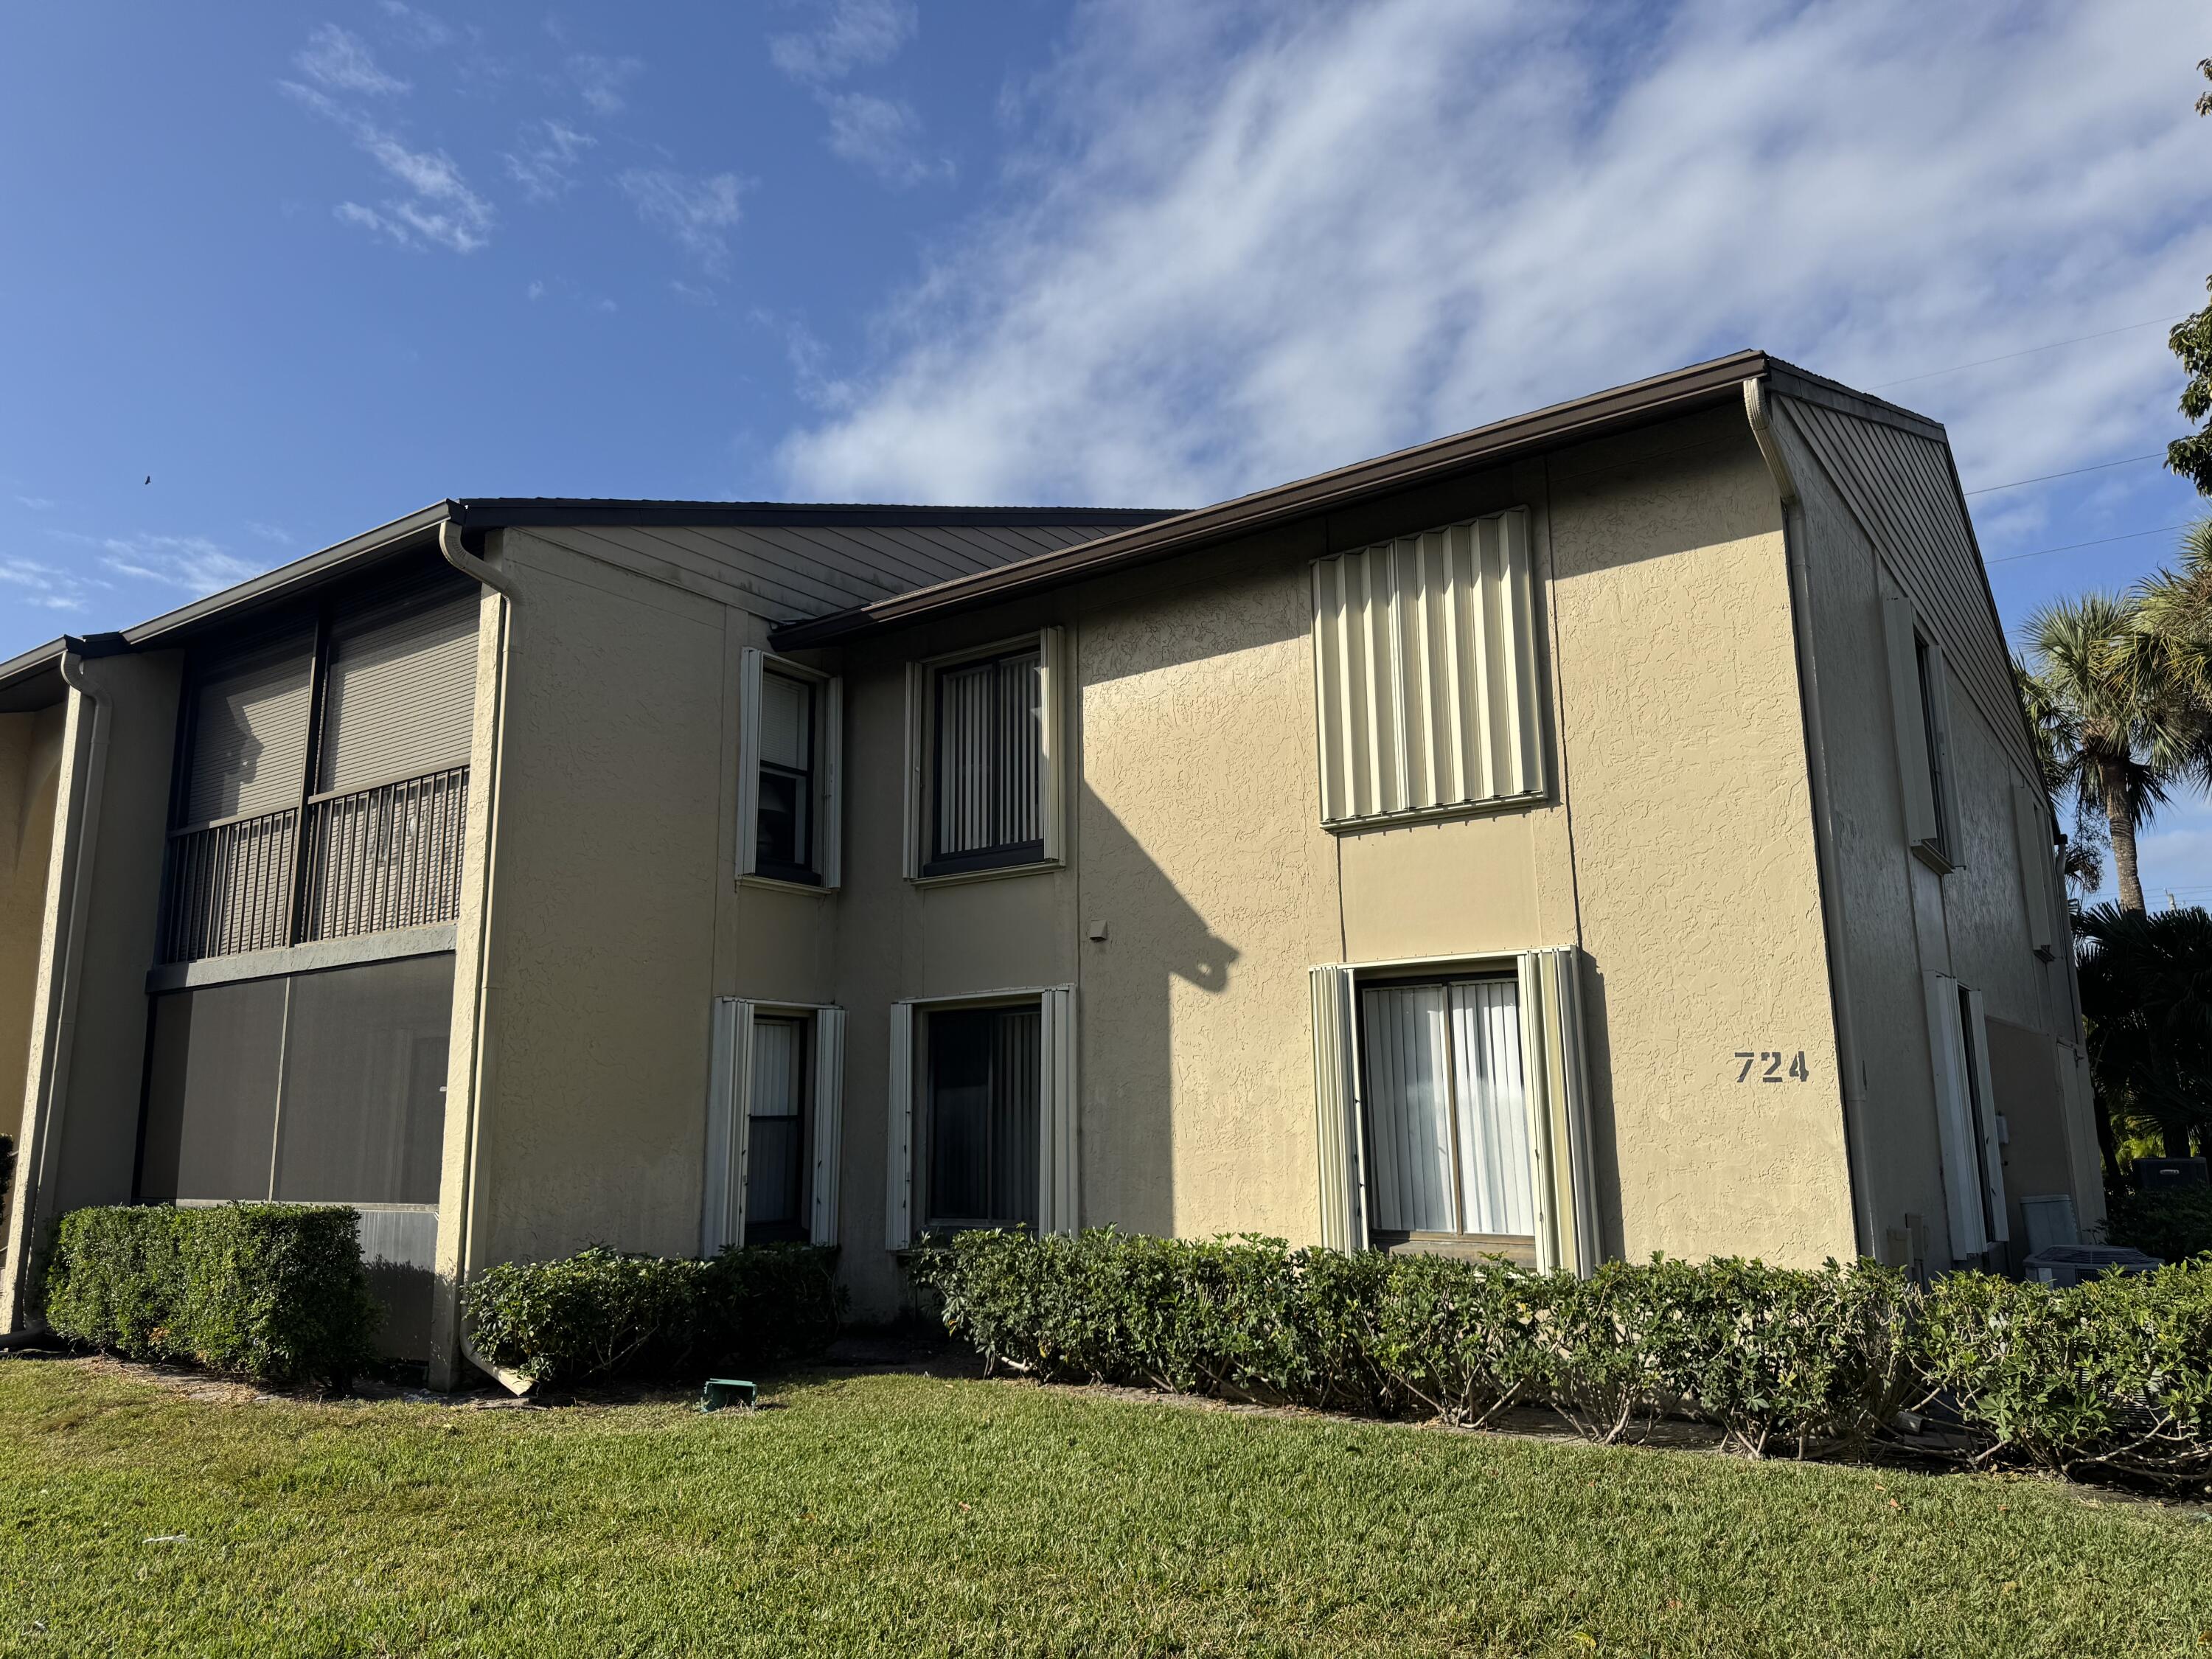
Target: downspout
<point>480,990</point>
<point>75,841</point>
<point>1824,824</point>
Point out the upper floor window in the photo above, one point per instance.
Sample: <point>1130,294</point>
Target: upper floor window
<point>984,786</point>
<point>1920,709</point>
<point>1425,670</point>
<point>788,748</point>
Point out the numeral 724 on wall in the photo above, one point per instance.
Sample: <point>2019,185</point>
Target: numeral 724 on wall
<point>1767,1062</point>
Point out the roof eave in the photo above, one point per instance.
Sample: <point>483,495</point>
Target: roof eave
<point>1622,407</point>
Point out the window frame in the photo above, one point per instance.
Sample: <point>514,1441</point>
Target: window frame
<point>1920,715</point>
<point>925,1128</point>
<point>796,1230</point>
<point>727,1169</point>
<point>822,871</point>
<point>925,763</point>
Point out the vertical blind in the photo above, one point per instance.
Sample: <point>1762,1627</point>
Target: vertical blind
<point>1425,665</point>
<point>400,699</point>
<point>1447,1108</point>
<point>989,743</point>
<point>984,1115</point>
<point>249,740</point>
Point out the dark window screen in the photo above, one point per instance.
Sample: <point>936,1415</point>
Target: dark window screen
<point>211,1093</point>
<point>775,1162</point>
<point>364,1084</point>
<point>983,1107</point>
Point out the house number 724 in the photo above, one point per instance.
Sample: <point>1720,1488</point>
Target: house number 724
<point>1768,1064</point>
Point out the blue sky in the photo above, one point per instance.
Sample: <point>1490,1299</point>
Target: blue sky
<point>309,267</point>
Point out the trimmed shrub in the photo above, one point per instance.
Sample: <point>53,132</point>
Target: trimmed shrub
<point>275,1291</point>
<point>601,1314</point>
<point>1774,1357</point>
<point>2173,1225</point>
<point>2114,1374</point>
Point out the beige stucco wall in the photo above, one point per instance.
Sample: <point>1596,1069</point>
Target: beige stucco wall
<point>1902,918</point>
<point>88,1049</point>
<point>30,770</point>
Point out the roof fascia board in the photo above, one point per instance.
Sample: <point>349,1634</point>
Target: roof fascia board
<point>290,579</point>
<point>1640,403</point>
<point>524,515</point>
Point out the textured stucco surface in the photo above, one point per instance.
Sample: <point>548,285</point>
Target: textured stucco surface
<point>30,770</point>
<point>1694,859</point>
<point>599,951</point>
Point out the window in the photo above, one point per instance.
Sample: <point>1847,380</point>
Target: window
<point>1455,1106</point>
<point>785,844</point>
<point>775,1167</point>
<point>1425,674</point>
<point>989,723</point>
<point>775,1110</point>
<point>1919,694</point>
<point>1446,1107</point>
<point>984,781</point>
<point>983,1115</point>
<point>1966,1118</point>
<point>981,1124</point>
<point>790,735</point>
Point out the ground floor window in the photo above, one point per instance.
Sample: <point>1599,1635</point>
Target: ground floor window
<point>1446,1124</point>
<point>327,1087</point>
<point>776,1205</point>
<point>982,1096</point>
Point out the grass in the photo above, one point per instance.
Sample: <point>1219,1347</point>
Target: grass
<point>903,1513</point>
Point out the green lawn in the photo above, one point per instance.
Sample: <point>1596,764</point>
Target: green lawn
<point>901,1513</point>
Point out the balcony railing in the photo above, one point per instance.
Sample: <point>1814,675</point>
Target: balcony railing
<point>230,887</point>
<point>367,862</point>
<point>385,858</point>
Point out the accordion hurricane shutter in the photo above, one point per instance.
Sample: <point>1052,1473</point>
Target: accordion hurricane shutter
<point>1425,667</point>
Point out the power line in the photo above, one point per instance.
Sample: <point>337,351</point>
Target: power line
<point>1982,362</point>
<point>2125,461</point>
<point>2133,535</point>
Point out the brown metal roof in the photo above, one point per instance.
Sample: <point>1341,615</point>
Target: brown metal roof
<point>1699,386</point>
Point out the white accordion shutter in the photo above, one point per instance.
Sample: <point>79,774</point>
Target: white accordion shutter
<point>1336,1108</point>
<point>828,1121</point>
<point>1059,1168</point>
<point>898,1137</point>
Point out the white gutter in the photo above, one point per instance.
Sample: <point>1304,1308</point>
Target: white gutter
<point>1824,824</point>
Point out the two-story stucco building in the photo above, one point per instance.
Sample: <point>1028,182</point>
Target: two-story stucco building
<point>1608,831</point>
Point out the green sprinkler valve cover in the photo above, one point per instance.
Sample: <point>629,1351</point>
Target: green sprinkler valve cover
<point>724,1391</point>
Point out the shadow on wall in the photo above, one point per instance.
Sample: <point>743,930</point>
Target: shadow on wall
<point>1155,937</point>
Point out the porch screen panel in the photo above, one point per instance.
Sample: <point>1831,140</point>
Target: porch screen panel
<point>364,1112</point>
<point>1408,1106</point>
<point>249,736</point>
<point>1491,1090</point>
<point>211,1092</point>
<point>400,700</point>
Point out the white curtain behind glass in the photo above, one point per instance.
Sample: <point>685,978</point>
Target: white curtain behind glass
<point>1443,1065</point>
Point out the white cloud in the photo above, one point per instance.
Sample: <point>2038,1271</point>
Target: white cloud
<point>270,532</point>
<point>883,136</point>
<point>190,562</point>
<point>545,160</point>
<point>851,35</point>
<point>36,503</point>
<point>443,209</point>
<point>40,586</point>
<point>601,80</point>
<point>341,61</point>
<point>699,213</point>
<point>417,27</point>
<point>1242,243</point>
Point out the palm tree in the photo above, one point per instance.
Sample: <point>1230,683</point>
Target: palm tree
<point>2147,996</point>
<point>2113,710</point>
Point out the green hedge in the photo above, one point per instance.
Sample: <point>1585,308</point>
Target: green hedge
<point>602,1314</point>
<point>1808,1359</point>
<point>2114,1375</point>
<point>2173,1225</point>
<point>271,1291</point>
